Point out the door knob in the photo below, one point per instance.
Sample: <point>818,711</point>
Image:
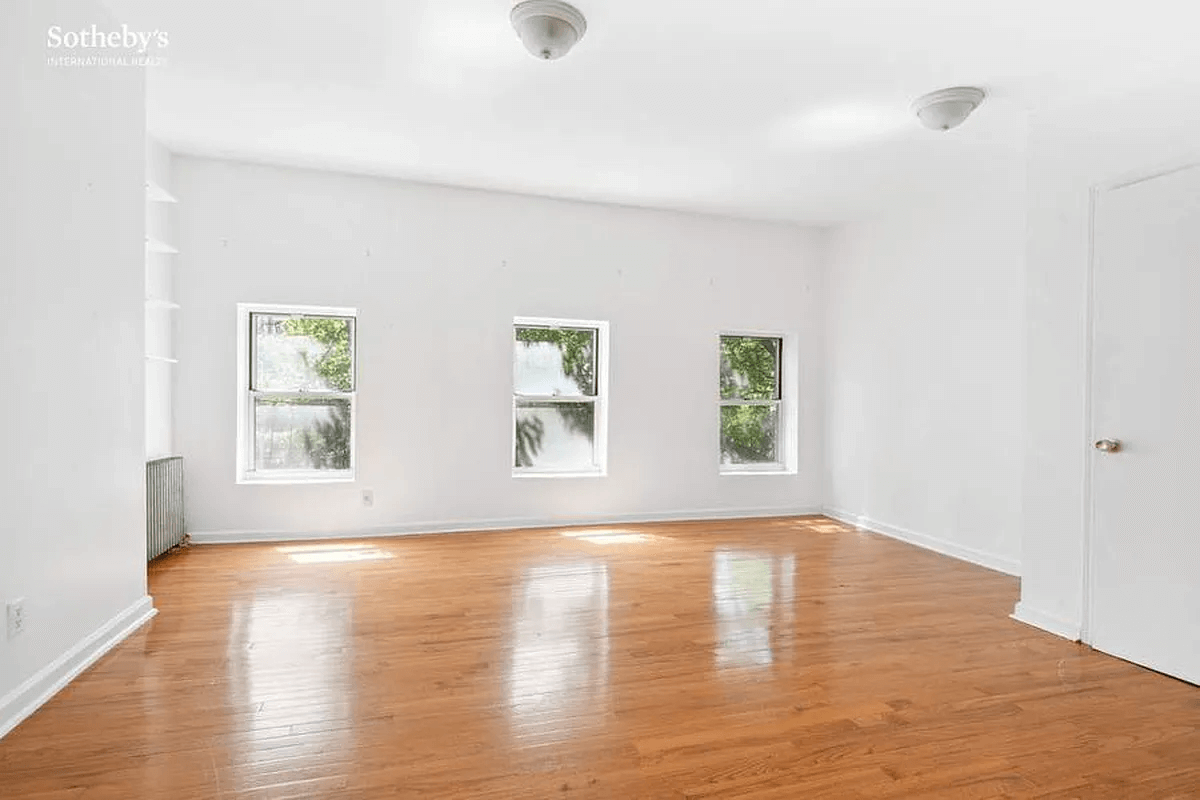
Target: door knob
<point>1108,445</point>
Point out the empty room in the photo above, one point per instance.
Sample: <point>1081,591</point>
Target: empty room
<point>600,399</point>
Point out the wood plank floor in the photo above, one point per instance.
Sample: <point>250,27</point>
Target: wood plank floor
<point>781,658</point>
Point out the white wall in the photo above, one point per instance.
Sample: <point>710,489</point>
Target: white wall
<point>72,532</point>
<point>1069,153</point>
<point>924,365</point>
<point>437,275</point>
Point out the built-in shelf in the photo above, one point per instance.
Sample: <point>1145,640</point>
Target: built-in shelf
<point>164,359</point>
<point>157,194</point>
<point>155,246</point>
<point>154,302</point>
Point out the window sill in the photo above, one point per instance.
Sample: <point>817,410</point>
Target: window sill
<point>767,469</point>
<point>593,473</point>
<point>289,480</point>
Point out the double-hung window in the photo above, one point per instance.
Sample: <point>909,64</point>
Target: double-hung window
<point>559,397</point>
<point>297,391</point>
<point>753,414</point>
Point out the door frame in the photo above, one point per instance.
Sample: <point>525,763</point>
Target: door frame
<point>1095,192</point>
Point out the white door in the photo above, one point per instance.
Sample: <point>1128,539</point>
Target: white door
<point>1145,547</point>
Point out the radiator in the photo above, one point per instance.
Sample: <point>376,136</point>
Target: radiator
<point>164,505</point>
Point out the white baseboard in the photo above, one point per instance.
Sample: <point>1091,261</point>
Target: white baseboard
<point>31,695</point>
<point>1047,622</point>
<point>1008,566</point>
<point>844,516</point>
<point>469,526</point>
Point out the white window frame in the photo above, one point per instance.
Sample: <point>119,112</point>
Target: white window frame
<point>786,437</point>
<point>600,401</point>
<point>245,397</point>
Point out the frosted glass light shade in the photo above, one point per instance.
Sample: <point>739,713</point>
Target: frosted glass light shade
<point>948,108</point>
<point>548,28</point>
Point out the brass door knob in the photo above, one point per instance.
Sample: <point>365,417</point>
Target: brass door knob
<point>1108,445</point>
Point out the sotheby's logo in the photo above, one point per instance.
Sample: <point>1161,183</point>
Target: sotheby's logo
<point>96,47</point>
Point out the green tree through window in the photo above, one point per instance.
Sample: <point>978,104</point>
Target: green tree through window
<point>750,395</point>
<point>328,442</point>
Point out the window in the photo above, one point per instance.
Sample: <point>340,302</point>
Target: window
<point>559,387</point>
<point>753,416</point>
<point>296,395</point>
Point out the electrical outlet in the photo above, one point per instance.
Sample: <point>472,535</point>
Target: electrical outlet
<point>16,617</point>
<point>368,497</point>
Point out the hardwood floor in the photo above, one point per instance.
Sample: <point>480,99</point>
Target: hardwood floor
<point>782,658</point>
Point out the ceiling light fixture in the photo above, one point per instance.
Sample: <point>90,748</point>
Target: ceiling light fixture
<point>947,108</point>
<point>548,28</point>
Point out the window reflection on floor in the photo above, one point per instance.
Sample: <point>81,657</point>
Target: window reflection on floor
<point>558,682</point>
<point>749,589</point>
<point>290,657</point>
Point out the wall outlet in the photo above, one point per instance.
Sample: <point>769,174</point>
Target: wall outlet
<point>368,497</point>
<point>16,617</point>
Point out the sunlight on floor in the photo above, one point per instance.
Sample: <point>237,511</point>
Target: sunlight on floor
<point>609,536</point>
<point>327,553</point>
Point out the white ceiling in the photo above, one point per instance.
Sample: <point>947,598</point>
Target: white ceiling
<point>775,109</point>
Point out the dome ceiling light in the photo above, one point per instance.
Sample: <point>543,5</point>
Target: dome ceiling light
<point>548,28</point>
<point>947,108</point>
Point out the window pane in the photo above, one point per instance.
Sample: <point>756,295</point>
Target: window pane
<point>294,354</point>
<point>556,435</point>
<point>749,434</point>
<point>302,433</point>
<point>555,361</point>
<point>750,368</point>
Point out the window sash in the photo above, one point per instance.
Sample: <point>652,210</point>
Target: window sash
<point>780,426</point>
<point>301,395</point>
<point>595,332</point>
<point>314,473</point>
<point>775,402</point>
<point>253,337</point>
<point>777,371</point>
<point>522,399</point>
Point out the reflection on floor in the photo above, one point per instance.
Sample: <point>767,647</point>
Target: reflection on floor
<point>749,590</point>
<point>773,659</point>
<point>558,682</point>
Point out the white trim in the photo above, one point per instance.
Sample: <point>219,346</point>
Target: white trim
<point>295,477</point>
<point>22,702</point>
<point>1009,566</point>
<point>543,472</point>
<point>557,322</point>
<point>844,517</point>
<point>1046,622</point>
<point>1084,628</point>
<point>754,469</point>
<point>484,525</point>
